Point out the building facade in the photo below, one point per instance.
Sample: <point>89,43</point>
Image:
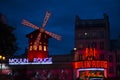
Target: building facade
<point>93,56</point>
<point>40,51</point>
<point>115,47</point>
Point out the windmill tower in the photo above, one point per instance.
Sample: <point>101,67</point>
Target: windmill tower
<point>38,39</point>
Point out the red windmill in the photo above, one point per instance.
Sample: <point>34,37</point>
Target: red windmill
<point>38,39</point>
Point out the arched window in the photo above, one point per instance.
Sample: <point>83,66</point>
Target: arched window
<point>45,48</point>
<point>30,48</point>
<point>40,47</point>
<point>34,47</point>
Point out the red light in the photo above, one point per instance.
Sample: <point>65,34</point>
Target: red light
<point>91,64</point>
<point>90,53</point>
<point>37,54</point>
<point>91,74</point>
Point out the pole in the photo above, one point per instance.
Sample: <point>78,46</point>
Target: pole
<point>1,66</point>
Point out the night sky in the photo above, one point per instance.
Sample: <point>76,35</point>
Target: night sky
<point>61,21</point>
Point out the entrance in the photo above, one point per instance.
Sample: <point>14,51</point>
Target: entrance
<point>90,74</point>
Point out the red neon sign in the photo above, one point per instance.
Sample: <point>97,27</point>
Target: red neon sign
<point>91,64</point>
<point>86,74</point>
<point>90,52</point>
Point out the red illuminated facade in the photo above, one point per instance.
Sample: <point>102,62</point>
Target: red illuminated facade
<point>42,50</point>
<point>92,43</point>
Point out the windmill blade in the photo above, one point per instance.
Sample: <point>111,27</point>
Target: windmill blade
<point>29,24</point>
<point>36,43</point>
<point>58,37</point>
<point>47,16</point>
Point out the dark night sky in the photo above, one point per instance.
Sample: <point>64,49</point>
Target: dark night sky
<point>62,19</point>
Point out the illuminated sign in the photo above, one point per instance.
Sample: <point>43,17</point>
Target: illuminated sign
<point>91,64</point>
<point>90,52</point>
<point>93,69</point>
<point>25,61</point>
<point>87,74</point>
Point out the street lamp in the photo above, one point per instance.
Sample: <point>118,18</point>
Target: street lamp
<point>2,58</point>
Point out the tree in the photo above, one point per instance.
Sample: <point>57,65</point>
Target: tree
<point>8,44</point>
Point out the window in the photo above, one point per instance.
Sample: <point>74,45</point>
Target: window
<point>118,58</point>
<point>34,47</point>
<point>94,45</point>
<point>94,34</point>
<point>110,58</point>
<point>45,36</point>
<point>30,48</point>
<point>80,45</point>
<point>111,70</point>
<point>101,56</point>
<point>118,70</point>
<point>40,42</point>
<point>45,48</point>
<point>30,42</point>
<point>40,47</point>
<point>35,43</point>
<point>102,45</point>
<point>88,44</point>
<point>101,34</point>
<point>81,35</point>
<point>44,43</point>
<point>80,57</point>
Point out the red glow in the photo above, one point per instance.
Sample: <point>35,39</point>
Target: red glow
<point>37,54</point>
<point>94,51</point>
<point>86,51</point>
<point>88,73</point>
<point>90,52</point>
<point>91,64</point>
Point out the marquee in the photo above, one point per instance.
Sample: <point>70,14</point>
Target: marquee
<point>25,61</point>
<point>90,64</point>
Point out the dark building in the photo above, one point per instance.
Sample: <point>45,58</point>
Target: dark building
<point>115,47</point>
<point>93,33</point>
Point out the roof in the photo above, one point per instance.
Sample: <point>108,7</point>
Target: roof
<point>35,33</point>
<point>88,23</point>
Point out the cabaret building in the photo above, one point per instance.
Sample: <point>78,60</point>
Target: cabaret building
<point>91,58</point>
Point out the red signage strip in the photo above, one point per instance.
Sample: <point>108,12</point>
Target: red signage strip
<point>90,64</point>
